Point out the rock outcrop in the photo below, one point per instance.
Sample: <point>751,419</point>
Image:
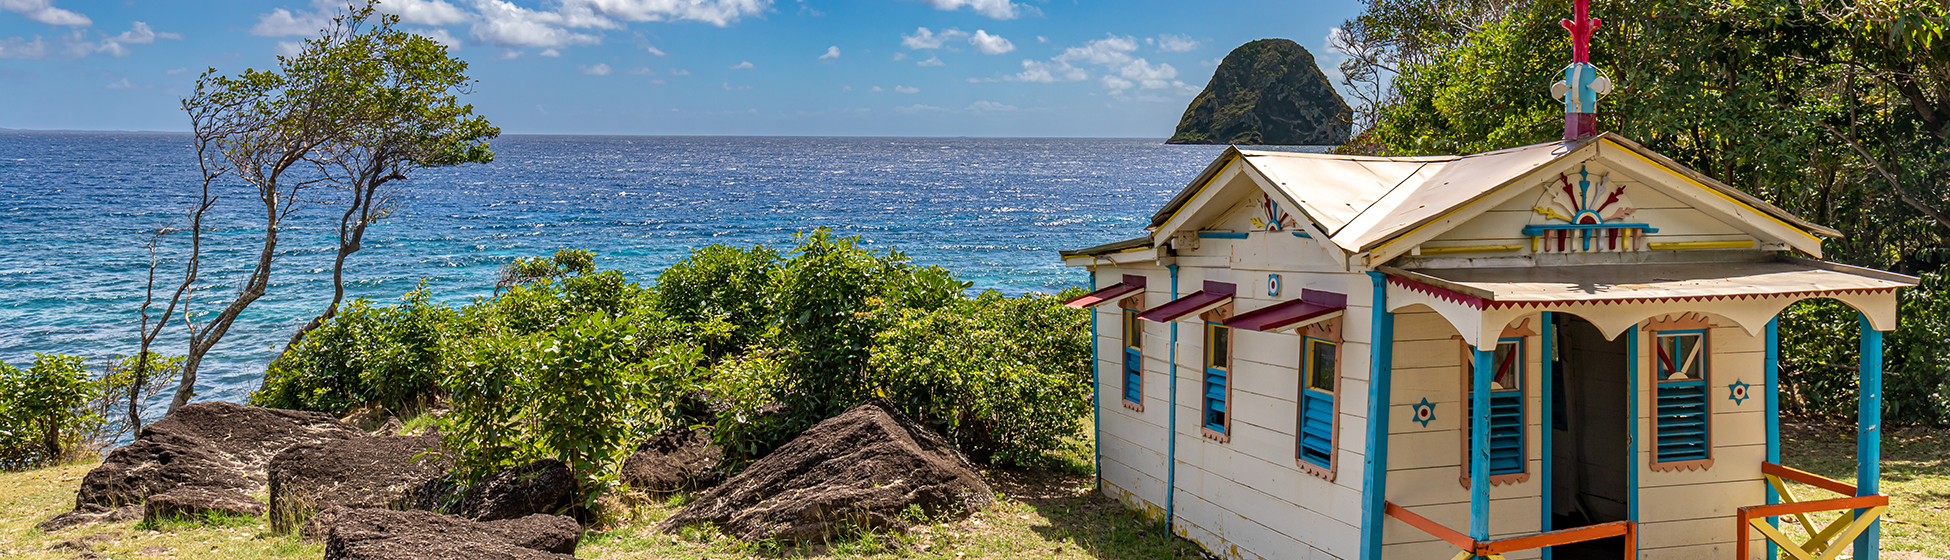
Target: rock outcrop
<point>377,534</point>
<point>1268,91</point>
<point>211,444</point>
<point>544,486</point>
<point>863,468</point>
<point>677,460</point>
<point>195,501</point>
<point>368,472</point>
<point>89,514</point>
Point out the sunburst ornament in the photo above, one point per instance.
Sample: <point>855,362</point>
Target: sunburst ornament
<point>1276,219</point>
<point>1586,203</point>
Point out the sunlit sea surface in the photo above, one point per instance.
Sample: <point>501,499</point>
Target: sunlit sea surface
<point>77,209</point>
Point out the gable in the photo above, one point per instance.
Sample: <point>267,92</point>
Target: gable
<point>1608,201</point>
<point>1236,204</point>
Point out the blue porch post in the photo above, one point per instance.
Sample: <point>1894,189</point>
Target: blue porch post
<point>1549,412</point>
<point>1632,428</point>
<point>1096,396</point>
<point>1479,445</point>
<point>1381,358</point>
<point>1868,436</point>
<point>1171,408</point>
<point>1771,396</point>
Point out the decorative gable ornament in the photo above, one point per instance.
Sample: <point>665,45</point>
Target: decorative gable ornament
<point>1594,218</point>
<point>1276,219</point>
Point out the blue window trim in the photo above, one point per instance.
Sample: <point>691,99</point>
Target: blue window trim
<point>1133,360</point>
<point>1218,385</point>
<point>1222,235</point>
<point>1502,400</point>
<point>1682,417</point>
<point>1311,399</point>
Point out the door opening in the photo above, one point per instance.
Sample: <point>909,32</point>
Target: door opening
<point>1590,454</point>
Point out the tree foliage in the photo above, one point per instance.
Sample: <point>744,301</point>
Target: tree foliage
<point>44,414</point>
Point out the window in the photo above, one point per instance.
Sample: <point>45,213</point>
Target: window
<point>1218,365</point>
<point>1679,364</point>
<point>1507,460</point>
<point>1320,376</point>
<point>1133,360</point>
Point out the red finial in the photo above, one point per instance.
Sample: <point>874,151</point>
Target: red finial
<point>1581,30</point>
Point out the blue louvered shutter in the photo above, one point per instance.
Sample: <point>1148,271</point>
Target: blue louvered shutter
<point>1218,363</point>
<point>1680,360</point>
<point>1320,374</point>
<point>1506,410</point>
<point>1134,375</point>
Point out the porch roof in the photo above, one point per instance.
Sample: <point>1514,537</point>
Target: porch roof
<point>1543,285</point>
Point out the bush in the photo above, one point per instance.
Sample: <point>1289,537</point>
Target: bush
<point>1820,349</point>
<point>1004,379</point>
<point>44,412</point>
<point>388,356</point>
<point>722,283</point>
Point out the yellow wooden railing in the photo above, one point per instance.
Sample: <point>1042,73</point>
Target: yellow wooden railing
<point>1825,543</point>
<point>1495,549</point>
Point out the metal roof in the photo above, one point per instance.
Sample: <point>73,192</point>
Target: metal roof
<point>1561,284</point>
<point>1363,201</point>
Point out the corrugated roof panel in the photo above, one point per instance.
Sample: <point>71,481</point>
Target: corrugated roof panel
<point>1442,188</point>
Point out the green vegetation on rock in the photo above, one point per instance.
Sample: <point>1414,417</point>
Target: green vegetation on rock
<point>1268,92</point>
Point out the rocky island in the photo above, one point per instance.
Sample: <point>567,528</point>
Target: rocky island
<point>1265,92</point>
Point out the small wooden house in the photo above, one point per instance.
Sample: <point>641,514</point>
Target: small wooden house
<point>1565,349</point>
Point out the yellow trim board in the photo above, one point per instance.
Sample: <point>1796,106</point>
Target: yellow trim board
<point>1470,249</point>
<point>1743,244</point>
<point>1714,191</point>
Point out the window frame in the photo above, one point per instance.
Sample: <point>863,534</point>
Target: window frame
<point>1133,339</point>
<point>1656,332</point>
<point>1223,433</point>
<point>1519,336</point>
<point>1324,332</point>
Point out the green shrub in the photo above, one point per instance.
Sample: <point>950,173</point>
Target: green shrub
<point>389,356</point>
<point>44,411</point>
<point>1820,348</point>
<point>1005,379</point>
<point>722,283</point>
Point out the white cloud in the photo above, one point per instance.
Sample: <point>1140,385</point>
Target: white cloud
<point>990,106</point>
<point>679,72</point>
<point>425,12</point>
<point>290,48</point>
<point>598,70</point>
<point>876,88</point>
<point>715,12</point>
<point>1115,83</point>
<point>925,39</point>
<point>551,53</point>
<point>177,71</point>
<point>931,61</point>
<point>282,23</point>
<point>990,44</point>
<point>745,65</point>
<point>504,24</point>
<point>998,9</point>
<point>44,11</point>
<point>729,87</point>
<point>139,33</point>
<point>900,56</point>
<point>1176,43</point>
<point>1121,71</point>
<point>652,49</point>
<point>121,84</point>
<point>17,47</point>
<point>1047,72</point>
<point>1110,50</point>
<point>642,71</point>
<point>439,35</point>
<point>917,108</point>
<point>905,89</point>
<point>832,52</point>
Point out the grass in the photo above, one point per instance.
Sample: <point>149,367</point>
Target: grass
<point>1915,476</point>
<point>1038,514</point>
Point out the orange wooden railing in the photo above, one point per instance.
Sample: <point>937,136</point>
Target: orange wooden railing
<point>1826,543</point>
<point>1496,548</point>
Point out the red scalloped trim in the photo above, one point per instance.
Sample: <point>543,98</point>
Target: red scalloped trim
<point>1215,436</point>
<point>1480,303</point>
<point>1676,466</point>
<point>1131,405</point>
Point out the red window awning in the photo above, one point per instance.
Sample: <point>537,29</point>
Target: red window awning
<point>1132,284</point>
<point>1215,294</point>
<point>1313,306</point>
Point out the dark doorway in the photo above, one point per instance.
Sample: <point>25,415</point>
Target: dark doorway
<point>1589,463</point>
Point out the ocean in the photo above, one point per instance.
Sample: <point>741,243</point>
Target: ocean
<point>77,210</point>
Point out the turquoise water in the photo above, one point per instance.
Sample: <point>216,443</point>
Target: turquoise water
<point>76,208</point>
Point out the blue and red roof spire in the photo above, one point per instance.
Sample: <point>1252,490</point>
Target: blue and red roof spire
<point>1582,83</point>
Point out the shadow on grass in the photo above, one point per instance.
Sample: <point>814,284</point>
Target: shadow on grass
<point>1079,517</point>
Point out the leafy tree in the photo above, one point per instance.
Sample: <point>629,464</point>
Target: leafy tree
<point>565,263</point>
<point>358,107</point>
<point>390,356</point>
<point>44,412</point>
<point>722,283</point>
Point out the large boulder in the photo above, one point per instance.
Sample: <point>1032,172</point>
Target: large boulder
<point>377,534</point>
<point>863,468</point>
<point>195,501</point>
<point>677,460</point>
<point>211,444</point>
<point>369,472</point>
<point>1269,91</point>
<point>89,514</point>
<point>544,486</point>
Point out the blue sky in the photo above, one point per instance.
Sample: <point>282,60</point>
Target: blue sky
<point>708,67</point>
